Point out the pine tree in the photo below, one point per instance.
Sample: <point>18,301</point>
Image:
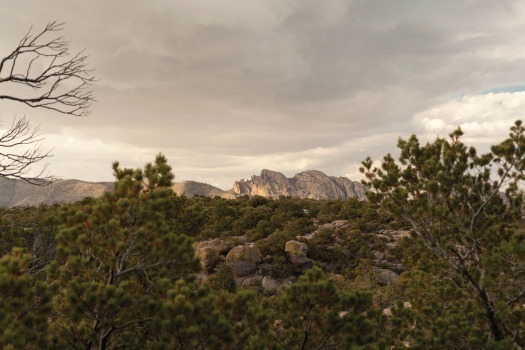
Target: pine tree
<point>467,209</point>
<point>116,259</point>
<point>314,314</point>
<point>25,304</point>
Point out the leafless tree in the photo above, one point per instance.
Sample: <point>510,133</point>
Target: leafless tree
<point>19,150</point>
<point>55,79</point>
<point>40,73</point>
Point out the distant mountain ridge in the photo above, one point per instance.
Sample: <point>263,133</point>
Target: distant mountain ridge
<point>17,193</point>
<point>307,184</point>
<point>193,188</point>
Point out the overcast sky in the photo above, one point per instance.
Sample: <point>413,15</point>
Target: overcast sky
<point>226,88</point>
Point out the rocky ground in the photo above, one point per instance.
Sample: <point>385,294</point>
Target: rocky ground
<point>250,268</point>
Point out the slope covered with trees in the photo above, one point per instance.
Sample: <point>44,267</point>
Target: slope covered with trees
<point>435,259</point>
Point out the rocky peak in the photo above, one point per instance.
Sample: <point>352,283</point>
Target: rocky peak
<point>308,184</point>
<point>271,175</point>
<point>268,184</point>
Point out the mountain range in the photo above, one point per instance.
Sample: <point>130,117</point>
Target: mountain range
<point>308,184</point>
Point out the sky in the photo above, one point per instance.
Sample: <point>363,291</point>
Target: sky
<point>226,88</point>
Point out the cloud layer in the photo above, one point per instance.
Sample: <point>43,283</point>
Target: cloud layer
<point>225,88</point>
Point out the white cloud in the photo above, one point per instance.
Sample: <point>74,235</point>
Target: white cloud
<point>485,119</point>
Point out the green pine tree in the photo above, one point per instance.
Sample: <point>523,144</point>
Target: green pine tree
<point>25,304</point>
<point>467,210</point>
<point>116,259</point>
<point>314,314</point>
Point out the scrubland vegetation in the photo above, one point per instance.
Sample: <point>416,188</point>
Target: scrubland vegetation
<point>434,260</point>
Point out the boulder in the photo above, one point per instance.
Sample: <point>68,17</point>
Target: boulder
<point>202,278</point>
<point>386,277</point>
<point>378,255</point>
<point>397,267</point>
<point>272,286</point>
<point>253,281</point>
<point>208,252</point>
<point>297,252</point>
<point>243,259</point>
<point>397,235</point>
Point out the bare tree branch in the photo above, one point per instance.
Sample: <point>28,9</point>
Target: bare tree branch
<point>53,78</point>
<point>20,150</point>
<point>40,73</point>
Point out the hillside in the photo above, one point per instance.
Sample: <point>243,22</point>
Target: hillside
<point>16,193</point>
<point>193,188</point>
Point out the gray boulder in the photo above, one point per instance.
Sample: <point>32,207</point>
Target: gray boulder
<point>243,259</point>
<point>297,252</point>
<point>272,286</point>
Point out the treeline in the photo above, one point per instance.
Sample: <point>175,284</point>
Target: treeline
<point>120,271</point>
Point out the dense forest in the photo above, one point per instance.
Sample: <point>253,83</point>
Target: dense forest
<point>435,259</point>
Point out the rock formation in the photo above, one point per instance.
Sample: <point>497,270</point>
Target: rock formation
<point>243,259</point>
<point>297,252</point>
<point>308,184</point>
<point>208,252</point>
<point>272,286</point>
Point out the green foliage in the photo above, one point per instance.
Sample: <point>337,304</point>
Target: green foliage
<point>314,314</point>
<point>279,267</point>
<point>116,257</point>
<point>190,318</point>
<point>29,228</point>
<point>125,266</point>
<point>453,200</point>
<point>445,317</point>
<point>274,243</point>
<point>25,304</point>
<point>252,319</point>
<point>223,279</point>
<point>257,201</point>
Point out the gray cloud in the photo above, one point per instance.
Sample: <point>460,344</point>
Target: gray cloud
<point>223,86</point>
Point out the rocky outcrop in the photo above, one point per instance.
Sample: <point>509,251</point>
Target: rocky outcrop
<point>193,188</point>
<point>243,259</point>
<point>208,257</point>
<point>208,252</point>
<point>297,252</point>
<point>308,184</point>
<point>273,286</point>
<point>252,282</point>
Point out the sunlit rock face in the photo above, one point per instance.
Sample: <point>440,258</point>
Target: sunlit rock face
<point>308,184</point>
